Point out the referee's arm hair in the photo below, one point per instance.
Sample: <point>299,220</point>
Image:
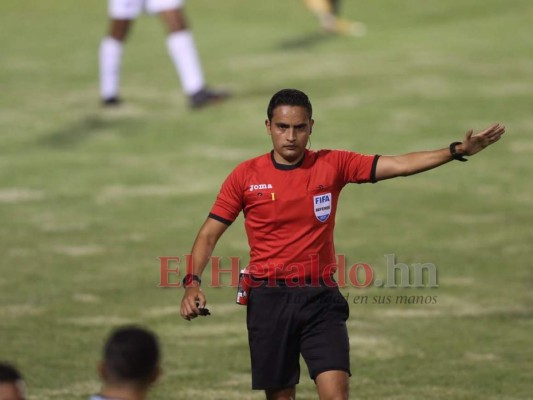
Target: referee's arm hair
<point>413,163</point>
<point>202,250</point>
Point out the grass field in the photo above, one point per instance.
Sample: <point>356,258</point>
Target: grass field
<point>90,198</point>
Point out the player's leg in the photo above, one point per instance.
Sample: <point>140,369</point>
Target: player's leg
<point>175,20</point>
<point>122,13</point>
<point>319,6</point>
<point>273,326</point>
<point>325,343</point>
<point>110,60</point>
<point>183,52</point>
<point>327,13</point>
<point>119,29</point>
<point>343,26</point>
<point>332,385</point>
<point>281,394</point>
<point>335,6</point>
<point>324,12</point>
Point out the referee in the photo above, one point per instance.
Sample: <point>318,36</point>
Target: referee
<point>289,199</point>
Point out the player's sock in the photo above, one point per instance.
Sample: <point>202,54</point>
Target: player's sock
<point>183,52</point>
<point>110,60</point>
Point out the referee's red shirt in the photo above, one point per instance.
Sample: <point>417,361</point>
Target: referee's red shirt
<point>290,210</point>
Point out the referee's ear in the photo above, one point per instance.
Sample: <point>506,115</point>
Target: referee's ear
<point>267,124</point>
<point>311,123</point>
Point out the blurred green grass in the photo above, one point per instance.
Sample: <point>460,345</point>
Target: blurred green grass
<point>89,199</point>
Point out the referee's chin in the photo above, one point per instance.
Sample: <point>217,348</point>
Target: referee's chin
<point>291,156</point>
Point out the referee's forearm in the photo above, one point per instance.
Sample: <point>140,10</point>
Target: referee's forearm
<point>424,161</point>
<point>201,252</point>
<point>412,163</point>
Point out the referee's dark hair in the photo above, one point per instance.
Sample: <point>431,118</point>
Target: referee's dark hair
<point>289,97</point>
<point>9,374</point>
<point>131,355</point>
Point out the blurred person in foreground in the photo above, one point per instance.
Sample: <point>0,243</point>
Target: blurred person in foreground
<point>289,198</point>
<point>180,44</point>
<point>11,383</point>
<point>130,364</point>
<point>327,12</point>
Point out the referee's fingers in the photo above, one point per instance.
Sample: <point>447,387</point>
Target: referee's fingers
<point>201,300</point>
<point>190,306</point>
<point>184,312</point>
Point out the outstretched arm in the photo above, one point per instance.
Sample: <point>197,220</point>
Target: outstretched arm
<point>413,163</point>
<point>202,249</point>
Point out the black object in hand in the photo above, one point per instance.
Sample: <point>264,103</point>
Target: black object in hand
<point>204,312</point>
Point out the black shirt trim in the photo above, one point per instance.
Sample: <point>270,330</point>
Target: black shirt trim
<point>220,219</point>
<point>373,171</point>
<point>286,167</point>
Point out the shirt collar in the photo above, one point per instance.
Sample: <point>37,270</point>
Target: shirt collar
<point>286,167</point>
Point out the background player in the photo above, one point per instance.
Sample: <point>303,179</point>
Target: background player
<point>11,383</point>
<point>180,45</point>
<point>289,199</point>
<point>327,12</point>
<point>130,364</point>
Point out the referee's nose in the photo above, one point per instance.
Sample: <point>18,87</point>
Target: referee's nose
<point>291,137</point>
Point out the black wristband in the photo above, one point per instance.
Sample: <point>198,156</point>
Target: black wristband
<point>455,155</point>
<point>190,278</point>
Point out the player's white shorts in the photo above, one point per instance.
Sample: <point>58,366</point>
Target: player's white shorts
<point>130,9</point>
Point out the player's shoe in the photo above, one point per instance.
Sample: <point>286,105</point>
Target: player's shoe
<point>111,102</point>
<point>340,26</point>
<point>206,97</point>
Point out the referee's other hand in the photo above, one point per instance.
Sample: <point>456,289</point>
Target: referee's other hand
<point>192,301</point>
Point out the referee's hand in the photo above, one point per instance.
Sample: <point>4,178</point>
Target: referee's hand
<point>193,300</point>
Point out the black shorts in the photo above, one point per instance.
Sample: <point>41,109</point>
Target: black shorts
<point>284,322</point>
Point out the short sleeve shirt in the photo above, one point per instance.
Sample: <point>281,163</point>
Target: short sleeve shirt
<point>289,210</point>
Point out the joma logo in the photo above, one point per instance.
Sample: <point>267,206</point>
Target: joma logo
<point>260,186</point>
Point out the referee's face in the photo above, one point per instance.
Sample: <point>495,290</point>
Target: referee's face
<point>289,129</point>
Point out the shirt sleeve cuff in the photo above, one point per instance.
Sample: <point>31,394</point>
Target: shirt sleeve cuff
<point>374,167</point>
<point>220,219</point>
